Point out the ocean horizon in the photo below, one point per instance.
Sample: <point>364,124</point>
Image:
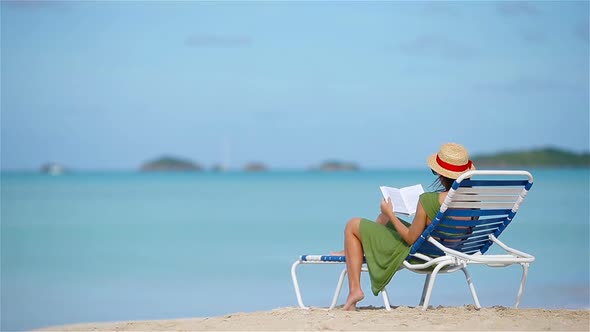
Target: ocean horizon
<point>93,246</point>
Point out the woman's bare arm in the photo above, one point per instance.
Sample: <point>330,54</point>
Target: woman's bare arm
<point>409,234</point>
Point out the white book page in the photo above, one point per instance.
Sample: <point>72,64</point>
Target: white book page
<point>399,205</point>
<point>411,196</point>
<point>404,200</point>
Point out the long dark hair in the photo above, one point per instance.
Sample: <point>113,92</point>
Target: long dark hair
<point>441,183</point>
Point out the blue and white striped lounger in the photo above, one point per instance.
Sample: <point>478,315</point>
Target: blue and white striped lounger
<point>478,208</point>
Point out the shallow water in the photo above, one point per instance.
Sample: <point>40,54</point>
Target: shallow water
<point>90,247</point>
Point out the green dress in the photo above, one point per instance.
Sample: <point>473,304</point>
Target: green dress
<point>384,248</point>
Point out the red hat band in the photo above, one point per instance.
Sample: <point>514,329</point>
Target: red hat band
<point>451,167</point>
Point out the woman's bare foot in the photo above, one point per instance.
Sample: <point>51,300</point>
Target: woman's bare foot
<point>353,298</point>
<point>337,253</point>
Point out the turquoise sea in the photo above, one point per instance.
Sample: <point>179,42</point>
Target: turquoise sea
<point>89,247</point>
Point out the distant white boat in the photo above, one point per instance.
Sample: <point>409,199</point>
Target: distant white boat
<point>52,169</point>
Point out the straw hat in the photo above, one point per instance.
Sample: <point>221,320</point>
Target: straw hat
<point>451,161</point>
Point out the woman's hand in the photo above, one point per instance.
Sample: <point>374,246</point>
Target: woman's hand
<point>387,207</point>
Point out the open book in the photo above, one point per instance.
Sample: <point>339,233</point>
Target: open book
<point>404,200</point>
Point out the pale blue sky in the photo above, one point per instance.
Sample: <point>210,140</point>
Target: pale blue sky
<point>109,85</point>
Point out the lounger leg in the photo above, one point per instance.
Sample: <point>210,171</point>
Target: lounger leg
<point>386,299</point>
<point>426,281</point>
<point>471,287</point>
<point>525,270</point>
<point>296,284</point>
<point>431,284</point>
<point>338,288</point>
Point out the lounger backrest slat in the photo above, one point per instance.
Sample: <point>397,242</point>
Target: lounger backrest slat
<point>486,198</point>
<point>463,236</point>
<point>474,245</point>
<point>483,220</point>
<point>475,213</point>
<point>481,228</point>
<point>485,190</point>
<point>492,183</point>
<point>429,249</point>
<point>480,204</point>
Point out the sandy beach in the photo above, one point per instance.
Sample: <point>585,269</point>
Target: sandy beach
<point>465,318</point>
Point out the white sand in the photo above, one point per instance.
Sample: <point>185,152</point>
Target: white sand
<point>365,319</point>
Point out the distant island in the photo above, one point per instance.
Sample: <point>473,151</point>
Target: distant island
<point>168,163</point>
<point>175,164</point>
<point>542,157</point>
<point>255,167</point>
<point>335,165</point>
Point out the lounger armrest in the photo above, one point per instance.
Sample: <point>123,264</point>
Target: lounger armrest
<point>511,250</point>
<point>515,256</point>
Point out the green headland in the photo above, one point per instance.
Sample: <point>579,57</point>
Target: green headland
<point>547,157</point>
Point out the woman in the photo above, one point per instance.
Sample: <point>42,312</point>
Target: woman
<point>386,243</point>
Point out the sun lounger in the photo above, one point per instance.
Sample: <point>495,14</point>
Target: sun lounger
<point>478,208</point>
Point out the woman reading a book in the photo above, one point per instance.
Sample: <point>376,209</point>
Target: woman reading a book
<point>386,242</point>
